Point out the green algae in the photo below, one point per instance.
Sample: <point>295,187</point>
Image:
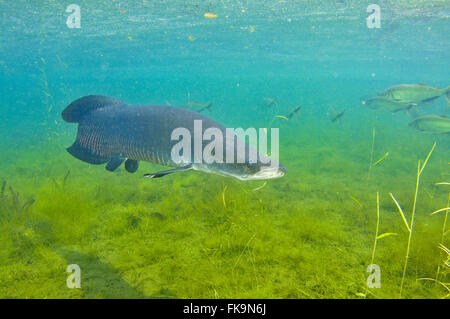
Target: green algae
<point>307,235</point>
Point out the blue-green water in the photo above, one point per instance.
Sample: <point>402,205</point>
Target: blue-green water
<point>309,234</point>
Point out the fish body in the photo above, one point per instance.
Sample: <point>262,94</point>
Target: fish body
<point>294,111</point>
<point>414,93</point>
<point>384,104</point>
<point>268,102</point>
<point>432,124</point>
<point>110,131</point>
<point>337,116</point>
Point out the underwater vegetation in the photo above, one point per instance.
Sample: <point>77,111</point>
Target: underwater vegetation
<point>308,237</point>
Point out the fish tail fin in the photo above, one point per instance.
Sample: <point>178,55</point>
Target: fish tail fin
<point>84,154</point>
<point>447,95</point>
<point>76,110</point>
<point>83,148</point>
<point>209,106</point>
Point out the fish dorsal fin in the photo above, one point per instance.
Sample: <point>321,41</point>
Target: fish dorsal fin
<point>76,110</point>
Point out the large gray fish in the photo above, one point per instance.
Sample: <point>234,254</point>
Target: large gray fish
<point>110,131</point>
<point>415,93</point>
<point>432,124</point>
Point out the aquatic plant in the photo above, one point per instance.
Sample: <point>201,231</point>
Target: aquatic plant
<point>305,237</point>
<point>445,264</point>
<point>377,237</point>
<point>11,204</point>
<point>410,225</point>
<point>371,154</point>
<point>443,248</point>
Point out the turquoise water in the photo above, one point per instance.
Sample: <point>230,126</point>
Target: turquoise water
<point>307,235</point>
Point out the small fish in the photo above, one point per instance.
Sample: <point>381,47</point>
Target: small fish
<point>418,93</point>
<point>294,111</point>
<point>282,117</point>
<point>268,102</point>
<point>432,124</point>
<point>337,116</point>
<point>198,107</point>
<point>384,104</point>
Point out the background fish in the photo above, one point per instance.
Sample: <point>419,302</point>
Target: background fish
<point>268,102</point>
<point>415,93</point>
<point>337,116</point>
<point>432,124</point>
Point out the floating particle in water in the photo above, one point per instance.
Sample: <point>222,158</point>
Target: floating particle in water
<point>210,15</point>
<point>123,11</point>
<point>251,29</point>
<point>191,38</point>
<point>130,37</point>
<point>289,20</point>
<point>373,75</point>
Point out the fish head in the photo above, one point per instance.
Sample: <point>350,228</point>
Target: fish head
<point>255,165</point>
<point>262,169</point>
<point>242,161</point>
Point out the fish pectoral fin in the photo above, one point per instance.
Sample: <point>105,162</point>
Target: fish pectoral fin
<point>114,163</point>
<point>131,165</point>
<point>170,171</point>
